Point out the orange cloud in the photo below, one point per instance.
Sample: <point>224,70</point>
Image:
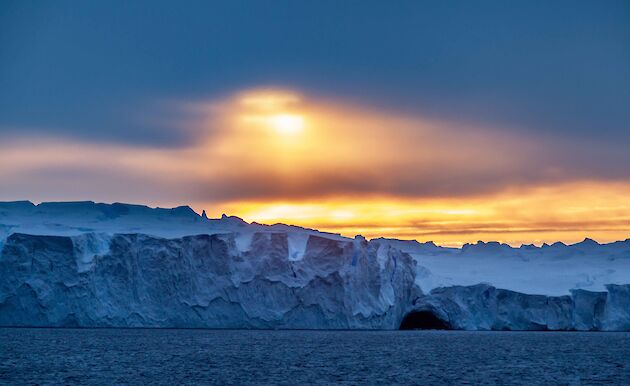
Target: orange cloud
<point>278,156</point>
<point>344,149</point>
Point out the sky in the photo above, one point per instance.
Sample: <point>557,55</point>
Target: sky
<point>451,121</point>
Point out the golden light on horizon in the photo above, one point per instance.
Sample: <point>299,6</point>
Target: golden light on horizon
<point>519,216</point>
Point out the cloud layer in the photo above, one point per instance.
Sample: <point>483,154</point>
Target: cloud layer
<point>88,71</point>
<point>340,150</point>
<point>277,155</point>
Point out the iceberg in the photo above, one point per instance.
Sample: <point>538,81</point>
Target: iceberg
<point>86,264</point>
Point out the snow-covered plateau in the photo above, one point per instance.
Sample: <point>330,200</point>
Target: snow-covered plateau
<point>119,265</point>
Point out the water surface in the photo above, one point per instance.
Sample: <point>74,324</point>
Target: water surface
<point>154,356</point>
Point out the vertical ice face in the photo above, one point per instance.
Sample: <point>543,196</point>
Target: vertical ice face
<point>617,311</point>
<point>87,247</point>
<point>201,281</point>
<point>588,309</point>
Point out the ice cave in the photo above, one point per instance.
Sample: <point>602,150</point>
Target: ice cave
<point>423,320</point>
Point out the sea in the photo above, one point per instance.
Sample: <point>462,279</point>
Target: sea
<point>259,357</point>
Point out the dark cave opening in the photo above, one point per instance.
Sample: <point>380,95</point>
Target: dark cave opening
<point>423,320</point>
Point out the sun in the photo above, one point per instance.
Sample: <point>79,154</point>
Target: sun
<point>286,124</point>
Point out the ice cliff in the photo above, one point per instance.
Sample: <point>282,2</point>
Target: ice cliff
<point>120,265</point>
<point>201,281</point>
<point>484,307</point>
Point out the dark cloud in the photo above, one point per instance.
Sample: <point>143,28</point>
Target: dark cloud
<point>93,70</point>
<point>457,179</point>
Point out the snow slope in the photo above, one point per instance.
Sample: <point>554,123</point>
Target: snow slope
<point>81,217</point>
<point>74,218</point>
<point>548,270</point>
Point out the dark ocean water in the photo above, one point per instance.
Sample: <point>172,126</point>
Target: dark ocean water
<point>147,356</point>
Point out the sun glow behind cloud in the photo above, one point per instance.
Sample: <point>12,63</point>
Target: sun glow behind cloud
<point>272,155</point>
<point>286,124</point>
<point>276,143</point>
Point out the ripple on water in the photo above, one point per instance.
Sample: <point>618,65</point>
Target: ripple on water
<point>153,356</point>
